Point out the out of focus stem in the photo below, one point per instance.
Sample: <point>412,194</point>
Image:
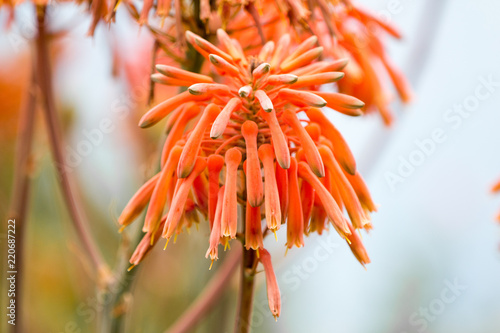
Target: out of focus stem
<point>44,79</point>
<point>245,298</point>
<point>21,189</point>
<point>209,296</point>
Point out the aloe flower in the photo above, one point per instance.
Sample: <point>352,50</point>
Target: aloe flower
<point>252,138</point>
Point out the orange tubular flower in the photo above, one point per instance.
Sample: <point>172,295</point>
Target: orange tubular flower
<point>259,115</point>
<point>273,209</point>
<point>229,218</point>
<point>295,228</point>
<point>273,290</point>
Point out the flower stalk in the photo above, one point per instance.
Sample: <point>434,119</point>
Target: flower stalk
<point>44,79</point>
<point>245,298</point>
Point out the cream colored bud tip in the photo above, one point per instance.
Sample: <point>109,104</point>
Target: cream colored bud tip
<point>213,59</point>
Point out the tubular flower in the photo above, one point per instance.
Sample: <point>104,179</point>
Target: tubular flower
<point>250,142</point>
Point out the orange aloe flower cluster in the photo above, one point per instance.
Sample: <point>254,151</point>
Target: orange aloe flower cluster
<point>344,30</point>
<point>251,143</point>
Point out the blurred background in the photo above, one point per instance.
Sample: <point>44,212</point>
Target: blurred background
<point>434,247</point>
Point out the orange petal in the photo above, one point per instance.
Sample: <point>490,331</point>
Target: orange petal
<point>215,232</point>
<point>318,220</point>
<point>207,89</point>
<point>279,142</point>
<point>183,189</point>
<point>282,184</point>
<point>229,218</point>
<point>145,245</point>
<point>302,60</point>
<point>302,98</point>
<point>266,51</point>
<point>264,100</point>
<point>159,196</point>
<point>161,79</point>
<point>349,197</point>
<point>162,110</point>
<point>205,47</point>
<point>335,100</point>
<point>253,228</point>
<point>220,123</point>
<point>223,66</point>
<point>322,67</point>
<point>138,202</point>
<point>362,191</point>
<point>200,191</point>
<point>190,152</point>
<point>282,48</point>
<point>295,226</point>
<point>307,196</point>
<point>273,290</point>
<point>314,131</point>
<point>342,152</point>
<point>280,79</point>
<point>310,149</point>
<point>260,71</point>
<point>183,75</point>
<point>317,79</point>
<point>177,130</point>
<point>329,205</point>
<point>255,193</point>
<point>357,247</point>
<point>302,48</point>
<point>272,204</point>
<point>225,40</point>
<point>214,166</point>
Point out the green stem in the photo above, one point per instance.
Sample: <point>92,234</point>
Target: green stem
<point>245,301</point>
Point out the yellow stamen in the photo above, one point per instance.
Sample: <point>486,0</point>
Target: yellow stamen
<point>130,268</point>
<point>258,254</point>
<point>121,229</point>
<point>210,268</point>
<point>153,237</point>
<point>275,236</point>
<point>168,239</point>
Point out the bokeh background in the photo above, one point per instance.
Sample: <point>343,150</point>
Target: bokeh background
<point>435,244</point>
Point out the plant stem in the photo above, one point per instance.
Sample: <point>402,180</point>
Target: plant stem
<point>44,79</point>
<point>245,299</point>
<point>21,189</point>
<point>209,296</point>
<point>119,290</point>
